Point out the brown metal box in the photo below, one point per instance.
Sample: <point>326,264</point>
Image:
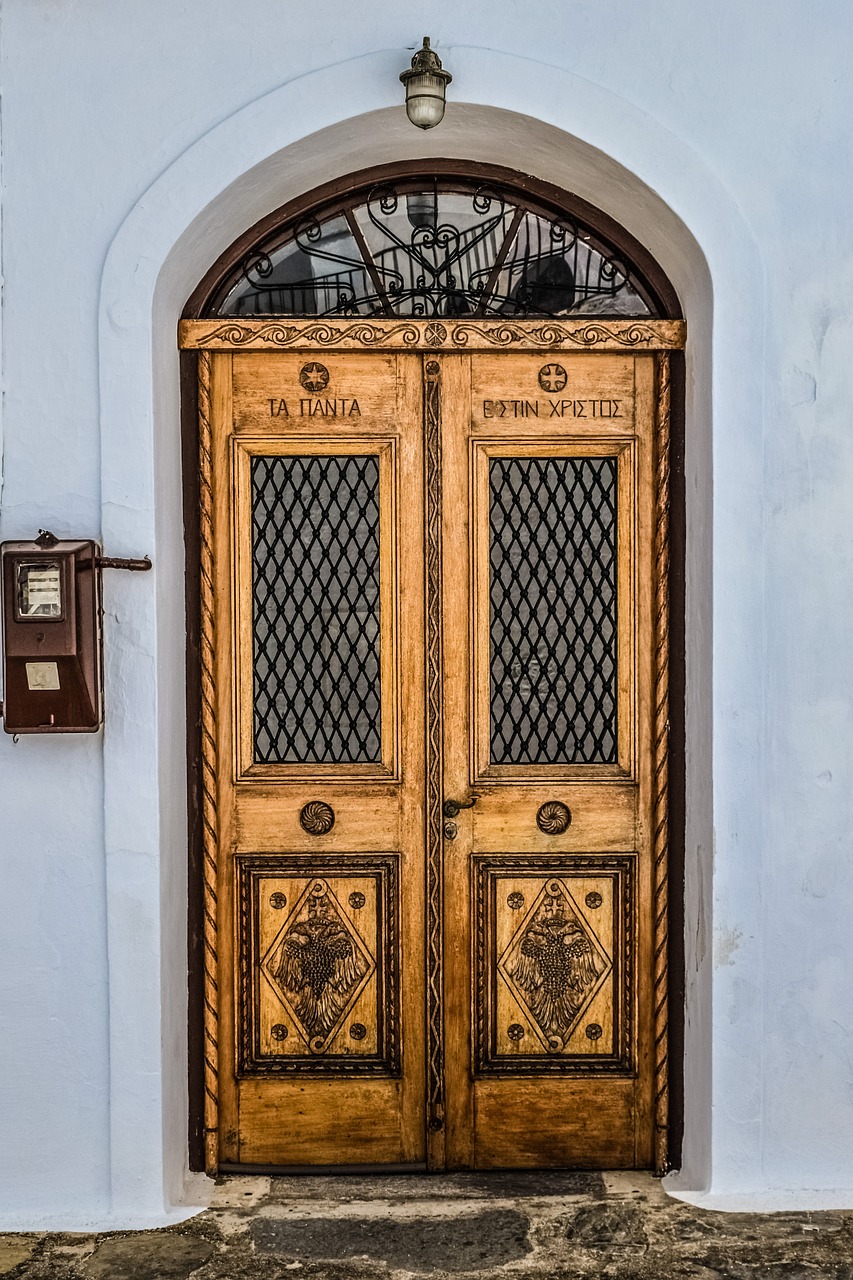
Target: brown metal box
<point>51,637</point>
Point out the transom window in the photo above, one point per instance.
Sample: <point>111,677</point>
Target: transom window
<point>434,246</point>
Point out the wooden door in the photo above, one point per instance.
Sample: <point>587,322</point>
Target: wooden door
<point>318,601</point>
<point>434,715</point>
<point>548,608</point>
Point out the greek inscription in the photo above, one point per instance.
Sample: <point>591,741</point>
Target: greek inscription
<point>510,409</point>
<point>552,409</point>
<point>315,407</point>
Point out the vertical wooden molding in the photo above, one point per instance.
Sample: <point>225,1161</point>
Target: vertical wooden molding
<point>208,770</point>
<point>434,767</point>
<point>660,797</point>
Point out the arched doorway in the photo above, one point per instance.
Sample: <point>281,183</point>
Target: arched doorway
<point>434,416</point>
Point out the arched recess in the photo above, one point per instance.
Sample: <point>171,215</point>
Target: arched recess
<point>611,277</point>
<point>563,128</point>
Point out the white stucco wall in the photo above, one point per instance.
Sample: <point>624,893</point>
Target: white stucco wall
<point>137,142</point>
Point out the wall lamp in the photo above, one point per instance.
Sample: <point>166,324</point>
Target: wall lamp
<point>425,83</point>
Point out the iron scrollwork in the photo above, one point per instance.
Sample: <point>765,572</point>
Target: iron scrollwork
<point>436,249</point>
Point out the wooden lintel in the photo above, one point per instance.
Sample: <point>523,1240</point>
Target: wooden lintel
<point>285,333</point>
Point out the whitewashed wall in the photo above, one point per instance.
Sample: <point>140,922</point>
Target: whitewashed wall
<point>137,142</point>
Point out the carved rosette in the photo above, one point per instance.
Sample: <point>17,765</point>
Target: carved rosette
<point>317,818</point>
<point>553,818</point>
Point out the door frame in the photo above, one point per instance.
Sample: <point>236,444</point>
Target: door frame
<point>666,338</point>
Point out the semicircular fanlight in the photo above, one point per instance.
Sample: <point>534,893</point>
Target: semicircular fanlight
<point>434,247</point>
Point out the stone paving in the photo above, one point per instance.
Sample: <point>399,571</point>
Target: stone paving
<point>559,1226</point>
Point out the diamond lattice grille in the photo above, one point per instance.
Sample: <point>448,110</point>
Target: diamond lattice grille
<point>553,610</point>
<point>315,551</point>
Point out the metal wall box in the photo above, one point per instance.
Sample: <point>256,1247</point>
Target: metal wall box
<point>52,669</point>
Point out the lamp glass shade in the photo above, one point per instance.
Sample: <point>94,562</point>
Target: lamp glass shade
<point>425,101</point>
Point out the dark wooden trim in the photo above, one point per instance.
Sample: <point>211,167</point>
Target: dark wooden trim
<point>543,195</point>
<point>195,879</point>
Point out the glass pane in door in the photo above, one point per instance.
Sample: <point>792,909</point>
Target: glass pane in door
<point>316,609</point>
<point>553,619</point>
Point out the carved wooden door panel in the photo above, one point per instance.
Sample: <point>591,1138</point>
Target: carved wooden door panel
<point>548,501</point>
<point>318,590</point>
<point>434,603</point>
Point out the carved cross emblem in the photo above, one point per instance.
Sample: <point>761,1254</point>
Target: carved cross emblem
<point>552,377</point>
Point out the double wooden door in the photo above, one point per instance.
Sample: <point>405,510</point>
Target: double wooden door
<point>434,714</point>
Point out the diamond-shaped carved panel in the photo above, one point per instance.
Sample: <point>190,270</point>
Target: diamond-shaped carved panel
<point>553,610</point>
<point>554,959</point>
<point>554,965</point>
<point>318,963</point>
<point>316,609</point>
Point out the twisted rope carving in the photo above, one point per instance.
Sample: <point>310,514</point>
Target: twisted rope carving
<point>434,734</point>
<point>660,794</point>
<point>210,827</point>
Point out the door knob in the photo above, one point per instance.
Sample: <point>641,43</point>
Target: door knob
<point>453,807</point>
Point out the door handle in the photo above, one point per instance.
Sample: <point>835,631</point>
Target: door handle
<point>454,807</point>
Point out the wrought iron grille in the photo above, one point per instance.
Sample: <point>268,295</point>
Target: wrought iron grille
<point>435,248</point>
<point>553,622</point>
<point>315,554</point>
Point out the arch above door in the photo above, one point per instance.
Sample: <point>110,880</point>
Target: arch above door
<point>444,238</point>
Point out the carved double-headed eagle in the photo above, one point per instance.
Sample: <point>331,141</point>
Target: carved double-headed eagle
<point>555,968</point>
<point>318,965</point>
